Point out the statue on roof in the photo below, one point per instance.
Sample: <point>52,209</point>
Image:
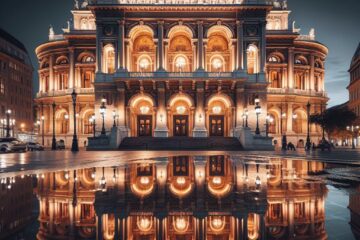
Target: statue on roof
<point>276,4</point>
<point>284,4</point>
<point>76,4</point>
<point>84,4</point>
<point>312,33</point>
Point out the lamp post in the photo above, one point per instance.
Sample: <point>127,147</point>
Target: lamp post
<point>93,123</point>
<point>115,116</point>
<point>246,113</point>
<point>258,112</point>
<point>352,129</point>
<point>12,123</point>
<point>269,120</point>
<point>53,145</point>
<point>75,144</point>
<point>8,112</point>
<point>284,140</point>
<point>42,130</point>
<point>102,112</point>
<point>308,141</point>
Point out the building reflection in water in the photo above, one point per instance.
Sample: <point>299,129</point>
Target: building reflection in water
<point>216,197</point>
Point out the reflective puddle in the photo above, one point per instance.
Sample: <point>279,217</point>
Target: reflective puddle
<point>216,197</point>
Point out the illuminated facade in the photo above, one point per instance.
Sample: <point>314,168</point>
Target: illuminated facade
<point>213,197</point>
<point>16,79</point>
<point>197,75</point>
<point>354,86</point>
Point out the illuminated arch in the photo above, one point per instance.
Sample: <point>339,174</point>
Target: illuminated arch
<point>225,99</point>
<point>140,30</point>
<point>136,99</point>
<point>301,60</point>
<point>85,56</point>
<point>180,29</point>
<point>276,57</point>
<point>222,29</point>
<point>300,120</point>
<point>62,60</point>
<point>253,59</point>
<point>141,61</point>
<point>181,97</point>
<point>109,58</point>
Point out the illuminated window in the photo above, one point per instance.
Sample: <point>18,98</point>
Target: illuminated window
<point>180,63</point>
<point>144,64</point>
<point>275,79</point>
<point>87,79</point>
<point>252,59</point>
<point>88,59</point>
<point>109,59</point>
<point>217,64</point>
<point>274,59</point>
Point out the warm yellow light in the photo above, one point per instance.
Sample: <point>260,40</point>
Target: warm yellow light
<point>180,180</point>
<point>144,180</point>
<point>217,63</point>
<point>180,62</point>
<point>144,109</point>
<point>217,223</point>
<point>144,63</point>
<point>217,109</point>
<point>22,125</point>
<point>217,180</point>
<point>180,109</point>
<point>181,224</point>
<point>144,224</point>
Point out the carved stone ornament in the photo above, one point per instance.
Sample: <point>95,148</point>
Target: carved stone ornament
<point>108,30</point>
<point>251,31</point>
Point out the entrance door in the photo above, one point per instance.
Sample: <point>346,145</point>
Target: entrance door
<point>145,126</point>
<point>217,126</point>
<point>181,125</point>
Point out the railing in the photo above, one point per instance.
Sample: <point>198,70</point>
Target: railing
<point>179,2</point>
<point>177,75</point>
<point>297,92</point>
<point>56,37</point>
<point>57,93</point>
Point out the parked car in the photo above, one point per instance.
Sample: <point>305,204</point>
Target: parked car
<point>60,145</point>
<point>33,146</point>
<point>12,145</point>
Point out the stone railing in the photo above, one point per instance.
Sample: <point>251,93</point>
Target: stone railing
<point>297,92</point>
<point>56,37</point>
<point>57,93</point>
<point>179,2</point>
<point>162,75</point>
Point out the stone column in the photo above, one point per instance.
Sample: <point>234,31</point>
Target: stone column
<point>245,227</point>
<point>160,47</point>
<point>240,46</point>
<point>98,49</point>
<point>240,105</point>
<point>160,226</point>
<point>99,233</point>
<point>291,68</point>
<point>262,227</point>
<point>161,129</point>
<point>291,218</point>
<point>245,63</point>
<point>200,228</point>
<point>199,121</point>
<point>51,75</point>
<point>312,72</point>
<point>52,214</point>
<point>289,118</point>
<point>312,216</point>
<point>200,162</point>
<point>72,68</point>
<point>121,108</point>
<point>200,47</point>
<point>263,47</point>
<point>121,46</point>
<point>238,234</point>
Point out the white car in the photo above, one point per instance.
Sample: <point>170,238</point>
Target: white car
<point>12,145</point>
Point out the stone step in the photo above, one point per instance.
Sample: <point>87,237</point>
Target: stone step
<point>180,143</point>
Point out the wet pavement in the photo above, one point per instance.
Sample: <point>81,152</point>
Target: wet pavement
<point>180,195</point>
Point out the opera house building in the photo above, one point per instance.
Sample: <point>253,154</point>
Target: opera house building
<point>181,68</point>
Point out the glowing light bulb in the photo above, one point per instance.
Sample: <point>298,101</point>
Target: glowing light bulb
<point>144,180</point>
<point>180,180</point>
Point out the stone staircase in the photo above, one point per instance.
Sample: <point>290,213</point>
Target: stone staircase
<point>181,143</point>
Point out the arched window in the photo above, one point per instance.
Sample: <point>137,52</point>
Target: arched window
<point>87,78</point>
<point>109,59</point>
<point>217,64</point>
<point>252,59</point>
<point>87,59</point>
<point>62,61</point>
<point>63,80</point>
<point>274,59</point>
<point>318,64</point>
<point>301,60</point>
<point>272,124</point>
<point>317,83</point>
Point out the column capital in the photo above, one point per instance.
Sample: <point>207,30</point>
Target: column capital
<point>239,23</point>
<point>161,23</point>
<point>200,23</point>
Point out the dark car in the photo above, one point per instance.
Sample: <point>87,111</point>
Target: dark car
<point>32,146</point>
<point>12,145</point>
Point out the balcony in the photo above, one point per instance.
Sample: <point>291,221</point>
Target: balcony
<point>177,2</point>
<point>59,93</point>
<point>288,91</point>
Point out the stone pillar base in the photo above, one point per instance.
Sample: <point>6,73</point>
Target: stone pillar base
<point>200,133</point>
<point>161,133</point>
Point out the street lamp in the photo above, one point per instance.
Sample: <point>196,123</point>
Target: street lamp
<point>8,112</point>
<point>269,120</point>
<point>92,120</point>
<point>75,144</point>
<point>53,145</point>
<point>308,141</point>
<point>42,130</point>
<point>102,112</point>
<point>115,116</point>
<point>258,112</point>
<point>353,130</point>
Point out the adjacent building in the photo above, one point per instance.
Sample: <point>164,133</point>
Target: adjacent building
<point>354,86</point>
<point>16,81</point>
<point>181,68</point>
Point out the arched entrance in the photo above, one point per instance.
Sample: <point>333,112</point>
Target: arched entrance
<point>142,115</point>
<point>180,115</point>
<point>219,115</point>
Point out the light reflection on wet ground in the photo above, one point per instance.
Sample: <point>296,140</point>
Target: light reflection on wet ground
<point>259,196</point>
